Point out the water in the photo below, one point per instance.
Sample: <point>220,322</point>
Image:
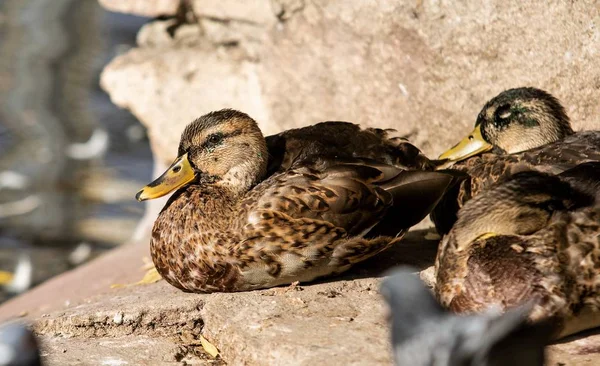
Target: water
<point>70,161</point>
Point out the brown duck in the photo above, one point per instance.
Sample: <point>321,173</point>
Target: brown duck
<point>532,238</point>
<point>520,129</point>
<point>241,219</point>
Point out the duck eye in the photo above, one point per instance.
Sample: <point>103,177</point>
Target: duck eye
<point>503,112</point>
<point>215,138</point>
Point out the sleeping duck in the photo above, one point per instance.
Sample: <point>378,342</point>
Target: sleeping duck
<point>520,129</point>
<point>534,237</point>
<point>239,220</point>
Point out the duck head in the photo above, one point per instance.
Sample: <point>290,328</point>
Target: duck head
<point>516,120</point>
<point>225,147</point>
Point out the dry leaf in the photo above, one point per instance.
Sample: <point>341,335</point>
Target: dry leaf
<point>151,276</point>
<point>209,347</point>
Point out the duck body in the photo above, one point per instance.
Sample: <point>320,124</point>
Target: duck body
<point>519,130</point>
<point>260,240</point>
<point>534,237</point>
<point>335,139</point>
<point>240,222</point>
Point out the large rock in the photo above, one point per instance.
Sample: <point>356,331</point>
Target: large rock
<point>427,69</point>
<point>180,85</point>
<point>424,68</point>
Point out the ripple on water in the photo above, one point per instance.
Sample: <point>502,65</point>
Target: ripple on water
<point>70,161</point>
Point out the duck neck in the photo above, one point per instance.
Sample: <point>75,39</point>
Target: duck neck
<point>211,204</point>
<point>240,179</point>
<point>187,237</point>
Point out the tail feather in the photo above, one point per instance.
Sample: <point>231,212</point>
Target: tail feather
<point>415,194</point>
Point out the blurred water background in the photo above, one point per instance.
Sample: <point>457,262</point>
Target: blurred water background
<point>70,161</point>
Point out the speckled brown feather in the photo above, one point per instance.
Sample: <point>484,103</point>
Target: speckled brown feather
<point>303,220</point>
<point>343,140</point>
<point>294,226</point>
<point>547,249</point>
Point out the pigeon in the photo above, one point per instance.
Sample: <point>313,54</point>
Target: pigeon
<point>424,333</point>
<point>18,346</point>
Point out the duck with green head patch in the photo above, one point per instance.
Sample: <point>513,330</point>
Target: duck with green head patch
<point>520,129</point>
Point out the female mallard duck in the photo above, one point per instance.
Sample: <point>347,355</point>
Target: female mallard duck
<point>534,237</point>
<point>232,227</point>
<point>520,129</point>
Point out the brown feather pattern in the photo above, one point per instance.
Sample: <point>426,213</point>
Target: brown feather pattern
<point>542,251</point>
<point>306,218</point>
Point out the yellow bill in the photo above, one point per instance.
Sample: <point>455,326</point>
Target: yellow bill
<point>471,145</point>
<point>485,236</point>
<point>179,174</point>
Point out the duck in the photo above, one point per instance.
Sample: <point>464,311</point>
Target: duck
<point>242,217</point>
<point>520,129</point>
<point>425,333</point>
<point>533,237</point>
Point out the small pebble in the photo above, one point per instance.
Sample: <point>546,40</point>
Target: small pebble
<point>118,318</point>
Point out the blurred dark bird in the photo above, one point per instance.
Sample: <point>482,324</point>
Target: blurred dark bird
<point>18,346</point>
<point>518,130</point>
<point>424,333</point>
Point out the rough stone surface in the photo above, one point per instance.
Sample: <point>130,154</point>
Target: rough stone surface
<point>581,349</point>
<point>340,316</point>
<point>128,350</point>
<point>422,67</point>
<point>342,321</point>
<point>427,67</point>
